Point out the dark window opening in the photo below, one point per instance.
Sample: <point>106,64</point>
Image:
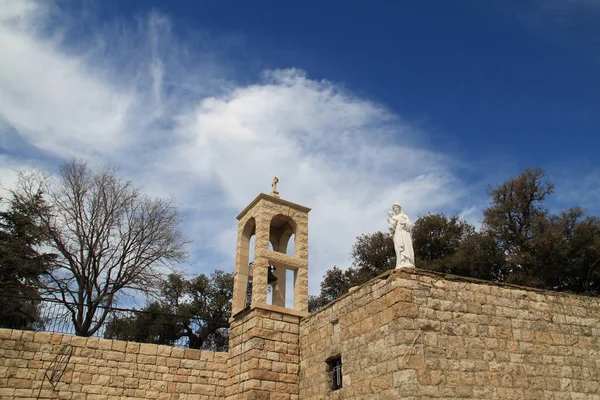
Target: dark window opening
<point>335,371</point>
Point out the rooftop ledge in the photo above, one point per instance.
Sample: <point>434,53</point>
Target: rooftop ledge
<point>269,307</point>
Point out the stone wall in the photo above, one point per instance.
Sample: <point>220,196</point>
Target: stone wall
<point>101,369</point>
<point>264,356</point>
<point>418,335</point>
<point>404,335</point>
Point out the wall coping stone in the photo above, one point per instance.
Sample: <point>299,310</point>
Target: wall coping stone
<point>414,273</point>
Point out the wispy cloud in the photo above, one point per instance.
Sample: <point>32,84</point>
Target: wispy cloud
<point>50,98</point>
<point>140,97</point>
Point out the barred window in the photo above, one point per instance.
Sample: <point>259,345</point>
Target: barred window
<point>335,372</point>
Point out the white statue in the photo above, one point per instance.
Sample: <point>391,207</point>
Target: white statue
<point>401,229</point>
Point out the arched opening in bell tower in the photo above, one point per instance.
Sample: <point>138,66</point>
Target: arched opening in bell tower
<point>282,229</point>
<point>247,247</point>
<point>282,233</point>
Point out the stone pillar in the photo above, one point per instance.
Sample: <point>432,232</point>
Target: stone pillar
<point>264,356</point>
<point>259,281</point>
<point>301,274</point>
<point>279,287</point>
<point>246,230</point>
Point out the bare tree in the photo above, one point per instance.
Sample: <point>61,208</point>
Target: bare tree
<point>108,237</point>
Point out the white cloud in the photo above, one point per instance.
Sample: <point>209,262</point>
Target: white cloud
<point>16,12</point>
<point>8,174</point>
<point>473,215</point>
<point>181,129</point>
<point>50,97</point>
<point>332,152</point>
<point>9,168</point>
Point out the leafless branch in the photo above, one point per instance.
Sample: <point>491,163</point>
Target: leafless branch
<point>107,236</point>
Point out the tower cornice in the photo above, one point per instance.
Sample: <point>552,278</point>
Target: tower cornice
<point>276,200</point>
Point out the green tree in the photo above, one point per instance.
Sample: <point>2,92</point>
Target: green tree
<point>583,272</point>
<point>479,256</point>
<point>566,252</point>
<point>198,309</point>
<point>155,323</point>
<point>209,301</point>
<point>550,251</point>
<point>335,283</point>
<point>372,255</point>
<point>453,246</point>
<point>22,264</point>
<point>515,218</point>
<point>436,239</point>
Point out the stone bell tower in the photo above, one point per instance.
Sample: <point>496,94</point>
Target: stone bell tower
<point>264,335</point>
<point>273,221</point>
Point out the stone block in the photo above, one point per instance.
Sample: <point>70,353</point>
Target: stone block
<point>42,337</point>
<point>78,341</point>
<point>119,345</point>
<point>101,380</point>
<point>289,337</point>
<point>148,349</point>
<point>131,383</point>
<point>164,351</point>
<point>206,390</point>
<point>191,364</point>
<point>264,375</point>
<point>113,355</point>
<point>192,354</point>
<point>27,336</point>
<point>173,362</point>
<point>177,352</point>
<point>105,344</point>
<point>132,347</point>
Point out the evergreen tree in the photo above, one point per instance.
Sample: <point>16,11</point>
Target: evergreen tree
<point>22,264</point>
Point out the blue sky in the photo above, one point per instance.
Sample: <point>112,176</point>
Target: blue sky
<point>354,105</point>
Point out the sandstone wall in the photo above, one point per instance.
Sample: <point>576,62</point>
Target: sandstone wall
<point>264,356</point>
<point>101,369</point>
<point>427,336</point>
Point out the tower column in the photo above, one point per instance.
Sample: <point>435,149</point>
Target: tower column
<point>259,281</point>
<point>279,287</point>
